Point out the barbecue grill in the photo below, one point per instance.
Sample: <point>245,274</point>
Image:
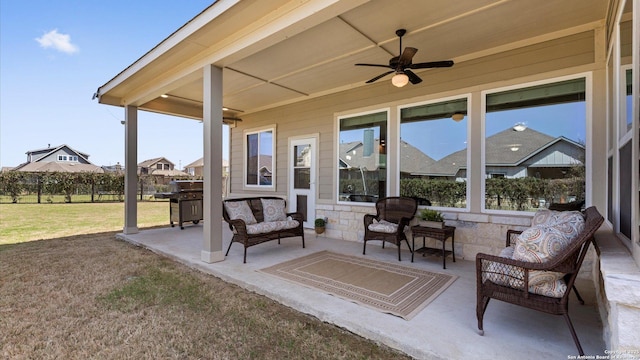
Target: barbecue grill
<point>185,201</point>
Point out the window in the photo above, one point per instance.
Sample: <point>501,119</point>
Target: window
<point>167,167</point>
<point>433,153</point>
<point>362,157</point>
<point>535,137</point>
<point>159,166</point>
<point>260,158</point>
<point>67,158</point>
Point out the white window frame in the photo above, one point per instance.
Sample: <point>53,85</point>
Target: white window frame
<point>245,133</point>
<point>466,96</point>
<point>588,78</point>
<point>386,110</point>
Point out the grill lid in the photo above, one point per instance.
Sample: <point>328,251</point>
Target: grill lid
<point>185,185</point>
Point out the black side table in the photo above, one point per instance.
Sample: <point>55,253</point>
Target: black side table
<point>438,234</point>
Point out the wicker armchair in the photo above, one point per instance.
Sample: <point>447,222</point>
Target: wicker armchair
<point>395,210</point>
<point>493,272</point>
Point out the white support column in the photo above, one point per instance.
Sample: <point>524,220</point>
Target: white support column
<point>131,170</point>
<point>212,173</point>
<point>475,172</point>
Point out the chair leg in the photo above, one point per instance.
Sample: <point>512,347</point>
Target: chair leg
<point>303,240</point>
<point>364,248</point>
<point>409,246</point>
<point>399,245</point>
<point>245,254</point>
<point>481,307</point>
<point>573,333</point>
<point>229,248</point>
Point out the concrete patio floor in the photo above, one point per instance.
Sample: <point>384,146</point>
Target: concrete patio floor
<point>445,329</point>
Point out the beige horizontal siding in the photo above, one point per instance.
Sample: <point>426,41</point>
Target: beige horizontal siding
<point>318,115</point>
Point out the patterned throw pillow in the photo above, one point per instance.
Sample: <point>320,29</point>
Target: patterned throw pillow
<point>239,210</point>
<point>273,210</point>
<point>553,218</point>
<point>546,240</point>
<point>552,232</point>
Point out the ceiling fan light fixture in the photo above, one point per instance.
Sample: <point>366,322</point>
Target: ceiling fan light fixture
<point>400,80</point>
<point>458,116</point>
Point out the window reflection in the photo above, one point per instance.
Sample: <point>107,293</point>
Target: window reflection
<point>433,154</point>
<point>362,161</point>
<point>535,138</point>
<point>259,158</point>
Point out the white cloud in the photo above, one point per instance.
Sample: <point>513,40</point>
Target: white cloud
<point>61,42</point>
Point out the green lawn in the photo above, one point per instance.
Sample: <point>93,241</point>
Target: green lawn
<point>27,222</point>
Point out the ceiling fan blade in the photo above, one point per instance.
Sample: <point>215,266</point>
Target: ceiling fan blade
<point>376,65</point>
<point>380,76</point>
<point>406,57</point>
<point>413,78</point>
<point>432,64</point>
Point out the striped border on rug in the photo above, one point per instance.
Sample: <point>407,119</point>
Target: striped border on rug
<point>386,287</point>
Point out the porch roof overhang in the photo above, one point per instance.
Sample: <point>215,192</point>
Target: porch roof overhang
<point>278,52</point>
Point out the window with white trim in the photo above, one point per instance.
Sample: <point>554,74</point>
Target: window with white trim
<point>433,153</point>
<point>536,137</point>
<point>362,157</point>
<point>260,158</point>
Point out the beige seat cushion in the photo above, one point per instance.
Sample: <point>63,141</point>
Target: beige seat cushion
<point>383,226</point>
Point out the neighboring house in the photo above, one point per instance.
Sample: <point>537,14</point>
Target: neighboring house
<point>195,168</point>
<point>288,66</point>
<point>512,153</point>
<point>515,153</point>
<point>160,167</point>
<point>58,159</point>
<point>117,168</point>
<point>359,160</point>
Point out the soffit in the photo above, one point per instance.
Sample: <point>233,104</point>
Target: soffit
<point>314,57</point>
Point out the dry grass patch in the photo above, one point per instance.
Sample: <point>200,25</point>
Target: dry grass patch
<point>92,296</point>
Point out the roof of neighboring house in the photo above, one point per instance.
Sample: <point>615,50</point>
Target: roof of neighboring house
<point>200,163</point>
<point>151,162</point>
<point>59,167</point>
<point>499,150</point>
<point>49,150</point>
<point>167,172</point>
<point>32,166</point>
<point>265,162</point>
<point>412,159</point>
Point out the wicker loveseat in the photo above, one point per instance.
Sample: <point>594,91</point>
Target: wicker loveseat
<point>555,245</point>
<point>256,220</point>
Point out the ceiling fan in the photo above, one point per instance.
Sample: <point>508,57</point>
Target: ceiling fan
<point>402,65</point>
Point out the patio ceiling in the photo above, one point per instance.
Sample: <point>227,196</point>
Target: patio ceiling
<point>275,52</point>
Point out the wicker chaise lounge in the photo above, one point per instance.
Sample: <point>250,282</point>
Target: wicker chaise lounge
<point>509,280</point>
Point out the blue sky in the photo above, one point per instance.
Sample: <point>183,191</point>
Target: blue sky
<point>53,57</point>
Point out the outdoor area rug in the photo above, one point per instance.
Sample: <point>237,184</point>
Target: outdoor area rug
<point>386,287</point>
